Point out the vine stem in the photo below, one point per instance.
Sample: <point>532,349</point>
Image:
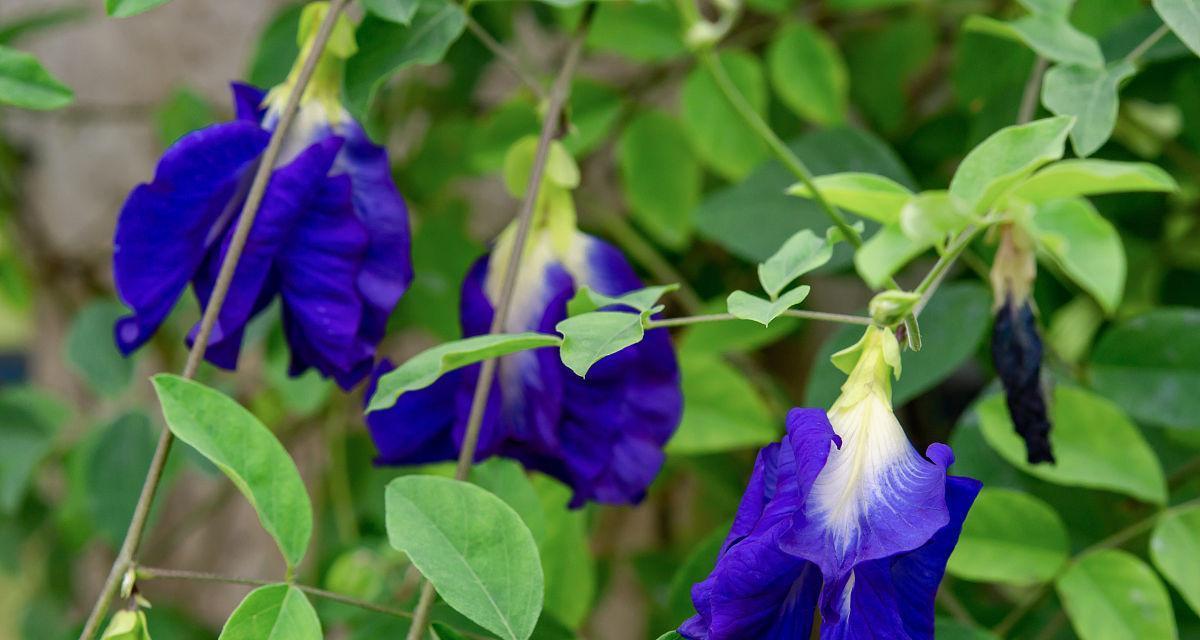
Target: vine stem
<point>507,57</point>
<point>723,317</point>
<point>483,385</point>
<point>1136,54</point>
<point>1115,540</point>
<point>790,160</point>
<point>137,525</point>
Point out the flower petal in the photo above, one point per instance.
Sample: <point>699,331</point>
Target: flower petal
<point>416,429</point>
<point>387,270</point>
<point>248,102</point>
<point>874,498</point>
<point>165,227</point>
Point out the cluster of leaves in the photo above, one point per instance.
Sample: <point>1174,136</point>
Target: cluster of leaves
<point>925,168</point>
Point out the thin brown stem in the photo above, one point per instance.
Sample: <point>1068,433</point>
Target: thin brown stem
<point>1029,100</point>
<point>137,526</point>
<point>483,386</point>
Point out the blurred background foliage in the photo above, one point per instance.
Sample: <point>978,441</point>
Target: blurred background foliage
<point>671,174</point>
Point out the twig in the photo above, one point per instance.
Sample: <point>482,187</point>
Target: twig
<point>1029,100</point>
<point>724,317</point>
<point>1133,57</point>
<point>945,597</point>
<point>137,526</point>
<point>487,370</point>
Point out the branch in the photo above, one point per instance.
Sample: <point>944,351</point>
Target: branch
<point>483,385</point>
<point>137,526</point>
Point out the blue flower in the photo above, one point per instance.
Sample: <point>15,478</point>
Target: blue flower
<point>331,239</point>
<point>842,515</point>
<point>602,436</point>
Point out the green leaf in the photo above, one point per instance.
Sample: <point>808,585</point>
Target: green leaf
<point>749,307</point>
<point>426,367</point>
<point>951,629</point>
<point>589,337</point>
<point>31,419</point>
<point>1073,178</point>
<point>1006,158</point>
<point>1012,538</point>
<point>696,566</point>
<point>595,108</point>
<point>1112,595</point>
<point>1090,95</point>
<point>1051,36</point>
<point>25,83</point>
<point>721,138</point>
<point>1085,245</point>
<point>561,169</point>
<point>660,176</point>
<point>114,470</point>
<point>400,11</point>
<point>567,561</point>
<point>276,48</point>
<point>885,60</point>
<point>802,253</point>
<point>1150,365</point>
<point>473,548</point>
<point>958,316</point>
<point>93,354</point>
<point>643,31</point>
<point>184,112</point>
<point>126,8</point>
<point>809,74</point>
<point>671,635</point>
<point>1183,16</point>
<point>32,22</point>
<point>1174,548</point>
<point>1095,445</point>
<point>722,411</point>
<point>273,612</point>
<point>931,216</point>
<point>885,253</point>
<point>641,300</point>
<point>871,196</point>
<point>246,451</point>
<point>386,47</point>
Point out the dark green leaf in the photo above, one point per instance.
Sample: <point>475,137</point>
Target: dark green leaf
<point>809,74</point>
<point>115,468</point>
<point>1051,36</point>
<point>871,196</point>
<point>722,139</point>
<point>932,216</point>
<point>92,351</point>
<point>275,612</point>
<point>1095,445</point>
<point>426,367</point>
<point>473,548</point>
<point>234,440</point>
<point>24,83</point>
<point>276,48</point>
<point>722,411</point>
<point>126,8</point>
<point>661,177</point>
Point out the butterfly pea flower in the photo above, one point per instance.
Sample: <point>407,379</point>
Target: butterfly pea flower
<point>842,515</point>
<point>330,241</point>
<point>1017,345</point>
<point>603,436</point>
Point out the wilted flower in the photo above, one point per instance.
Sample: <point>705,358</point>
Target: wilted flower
<point>844,515</point>
<point>331,238</point>
<point>603,436</point>
<point>1016,344</point>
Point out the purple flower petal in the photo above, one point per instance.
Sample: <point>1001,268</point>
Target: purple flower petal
<point>248,102</point>
<point>167,225</point>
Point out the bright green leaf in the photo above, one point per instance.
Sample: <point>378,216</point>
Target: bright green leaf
<point>401,11</point>
<point>126,8</point>
<point>809,74</point>
<point>661,177</point>
<point>426,367</point>
<point>1085,245</point>
<point>1010,537</point>
<point>1183,16</point>
<point>802,253</point>
<point>1174,548</point>
<point>1112,595</point>
<point>720,136</point>
<point>1006,158</point>
<point>1090,95</point>
<point>589,337</point>
<point>561,169</point>
<point>92,351</point>
<point>1150,365</point>
<point>25,83</point>
<point>749,307</point>
<point>885,59</point>
<point>473,548</point>
<point>641,300</point>
<point>1095,445</point>
<point>931,216</point>
<point>234,440</point>
<point>1073,178</point>
<point>722,411</point>
<point>274,612</point>
<point>871,196</point>
<point>127,625</point>
<point>1052,37</point>
<point>386,47</point>
<point>885,253</point>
